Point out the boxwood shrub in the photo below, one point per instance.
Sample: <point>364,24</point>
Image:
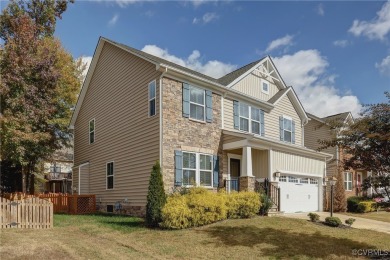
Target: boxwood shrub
<point>199,206</point>
<point>333,221</point>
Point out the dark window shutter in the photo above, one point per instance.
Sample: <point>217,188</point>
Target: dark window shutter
<point>178,167</point>
<point>209,106</point>
<point>216,171</point>
<point>236,114</point>
<point>262,129</point>
<point>281,128</point>
<point>186,100</point>
<point>293,132</point>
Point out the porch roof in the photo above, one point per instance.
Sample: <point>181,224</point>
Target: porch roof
<point>259,142</point>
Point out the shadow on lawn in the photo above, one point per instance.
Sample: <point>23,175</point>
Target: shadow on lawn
<point>282,243</point>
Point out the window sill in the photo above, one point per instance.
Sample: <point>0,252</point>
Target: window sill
<point>198,121</point>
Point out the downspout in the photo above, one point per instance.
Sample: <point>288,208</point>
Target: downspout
<point>161,115</point>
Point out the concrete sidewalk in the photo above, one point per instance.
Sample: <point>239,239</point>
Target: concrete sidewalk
<point>361,223</point>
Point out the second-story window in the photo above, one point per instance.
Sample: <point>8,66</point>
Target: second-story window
<point>248,119</point>
<point>152,98</point>
<point>92,131</point>
<point>287,129</point>
<point>244,117</point>
<point>197,103</point>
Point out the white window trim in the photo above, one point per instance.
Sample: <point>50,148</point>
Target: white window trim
<point>113,175</point>
<point>284,129</point>
<point>295,179</point>
<point>198,170</point>
<point>151,99</point>
<point>283,178</point>
<point>249,119</point>
<point>94,131</point>
<point>262,89</point>
<point>197,104</point>
<point>348,180</point>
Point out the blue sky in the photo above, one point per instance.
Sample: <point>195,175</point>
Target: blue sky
<point>336,55</point>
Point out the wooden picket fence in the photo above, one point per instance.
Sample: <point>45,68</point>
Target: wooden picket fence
<point>62,203</point>
<point>26,213</point>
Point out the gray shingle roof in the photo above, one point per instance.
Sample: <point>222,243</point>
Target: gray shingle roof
<point>230,77</point>
<point>340,116</point>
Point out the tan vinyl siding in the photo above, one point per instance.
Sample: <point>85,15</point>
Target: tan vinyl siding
<point>283,107</point>
<point>251,85</point>
<point>75,180</point>
<point>283,161</point>
<point>315,131</point>
<point>84,180</point>
<point>117,98</point>
<point>228,115</point>
<point>260,163</point>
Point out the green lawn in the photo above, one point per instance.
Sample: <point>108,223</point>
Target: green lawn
<point>114,237</point>
<point>380,215</point>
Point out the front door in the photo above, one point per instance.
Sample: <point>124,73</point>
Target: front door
<point>235,167</point>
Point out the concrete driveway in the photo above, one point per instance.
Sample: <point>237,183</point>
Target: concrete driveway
<point>361,223</point>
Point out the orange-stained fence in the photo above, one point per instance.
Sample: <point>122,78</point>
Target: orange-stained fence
<point>62,203</point>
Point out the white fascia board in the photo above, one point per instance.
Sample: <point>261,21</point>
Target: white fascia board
<point>298,106</point>
<point>236,95</point>
<point>86,82</point>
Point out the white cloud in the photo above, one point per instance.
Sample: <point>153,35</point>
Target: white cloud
<point>377,28</point>
<point>341,43</point>
<point>149,13</point>
<point>384,66</point>
<point>206,18</point>
<point>284,41</point>
<point>306,71</point>
<point>113,20</point>
<point>320,9</point>
<point>212,68</point>
<point>125,3</point>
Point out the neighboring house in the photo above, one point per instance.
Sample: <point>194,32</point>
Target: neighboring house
<point>58,172</point>
<point>320,129</point>
<point>135,108</point>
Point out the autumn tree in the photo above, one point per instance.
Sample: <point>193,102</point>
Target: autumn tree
<point>39,84</point>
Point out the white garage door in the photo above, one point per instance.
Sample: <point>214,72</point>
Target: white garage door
<point>298,194</point>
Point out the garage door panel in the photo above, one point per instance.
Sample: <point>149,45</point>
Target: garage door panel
<point>297,197</point>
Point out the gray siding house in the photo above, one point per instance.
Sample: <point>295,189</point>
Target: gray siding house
<point>135,108</point>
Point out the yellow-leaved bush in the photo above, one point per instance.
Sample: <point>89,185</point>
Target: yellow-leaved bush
<point>198,207</point>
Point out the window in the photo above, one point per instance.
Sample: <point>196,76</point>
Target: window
<point>249,119</point>
<point>197,103</point>
<point>348,180</point>
<point>304,180</point>
<point>313,181</point>
<point>244,117</point>
<point>152,98</point>
<point>287,129</point>
<point>92,131</point>
<point>265,87</point>
<point>292,179</point>
<point>283,178</point>
<point>110,175</point>
<point>255,120</point>
<point>197,169</point>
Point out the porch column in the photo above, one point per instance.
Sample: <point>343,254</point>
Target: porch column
<point>246,168</point>
<point>247,180</point>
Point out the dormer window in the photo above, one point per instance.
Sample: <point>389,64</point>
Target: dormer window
<point>265,87</point>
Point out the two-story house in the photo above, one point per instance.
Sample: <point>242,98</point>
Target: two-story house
<point>324,129</point>
<point>135,108</point>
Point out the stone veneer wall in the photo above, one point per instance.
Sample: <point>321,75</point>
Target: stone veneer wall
<point>180,133</point>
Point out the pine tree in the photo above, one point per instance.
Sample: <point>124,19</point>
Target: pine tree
<point>156,197</point>
<point>340,201</point>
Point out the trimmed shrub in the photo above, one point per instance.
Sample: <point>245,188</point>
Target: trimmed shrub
<point>314,217</point>
<point>266,204</point>
<point>350,221</point>
<point>176,214</point>
<point>156,197</point>
<point>352,203</point>
<point>244,204</point>
<point>366,206</point>
<point>333,221</point>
